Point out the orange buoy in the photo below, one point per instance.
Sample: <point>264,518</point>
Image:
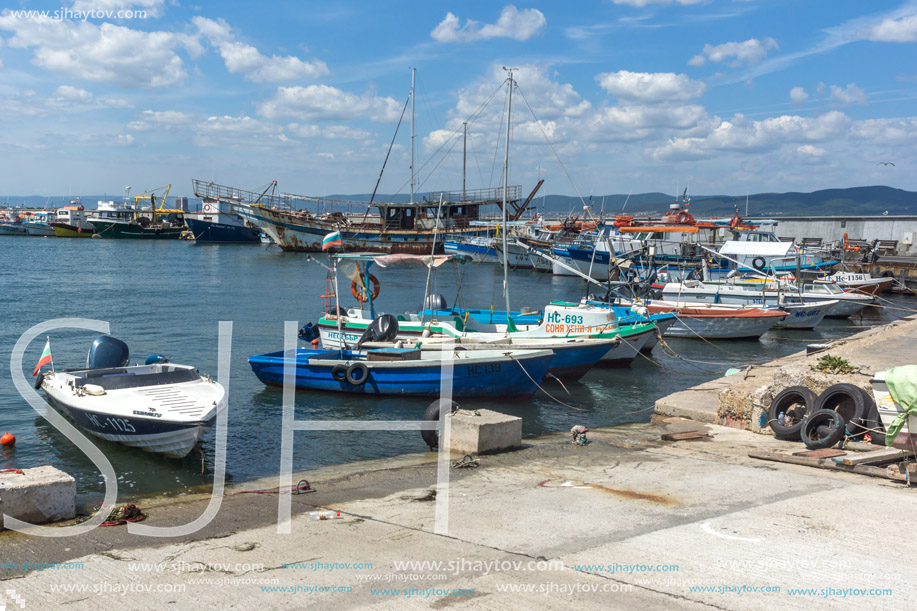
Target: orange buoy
<point>8,439</point>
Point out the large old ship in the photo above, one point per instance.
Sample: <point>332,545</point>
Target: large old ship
<point>298,223</point>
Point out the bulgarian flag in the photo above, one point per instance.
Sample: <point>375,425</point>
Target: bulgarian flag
<point>45,358</point>
<point>332,240</point>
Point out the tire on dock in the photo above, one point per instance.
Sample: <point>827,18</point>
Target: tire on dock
<point>794,403</point>
<point>848,400</point>
<point>432,414</point>
<point>822,429</point>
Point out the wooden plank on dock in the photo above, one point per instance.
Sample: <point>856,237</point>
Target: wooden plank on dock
<point>822,453</point>
<point>686,435</point>
<point>876,457</point>
<point>827,463</point>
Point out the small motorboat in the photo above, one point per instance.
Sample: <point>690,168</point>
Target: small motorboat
<point>408,371</point>
<point>159,407</point>
<point>715,321</point>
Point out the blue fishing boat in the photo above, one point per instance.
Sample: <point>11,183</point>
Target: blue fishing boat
<point>394,371</point>
<point>217,224</point>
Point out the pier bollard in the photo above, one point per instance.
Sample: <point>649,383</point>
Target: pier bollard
<point>484,432</point>
<point>39,495</point>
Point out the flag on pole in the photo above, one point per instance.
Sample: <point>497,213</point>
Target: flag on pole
<point>45,357</point>
<point>332,240</point>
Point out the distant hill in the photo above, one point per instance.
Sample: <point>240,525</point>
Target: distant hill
<point>858,201</point>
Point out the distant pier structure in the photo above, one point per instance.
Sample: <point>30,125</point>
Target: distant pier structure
<point>882,245</point>
<point>897,233</point>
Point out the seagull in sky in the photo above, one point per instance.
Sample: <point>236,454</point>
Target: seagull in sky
<point>885,163</point>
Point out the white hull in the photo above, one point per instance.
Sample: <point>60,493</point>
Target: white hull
<point>889,410</point>
<point>161,408</point>
<point>719,328</point>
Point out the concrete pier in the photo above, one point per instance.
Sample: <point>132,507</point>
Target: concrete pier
<point>629,521</point>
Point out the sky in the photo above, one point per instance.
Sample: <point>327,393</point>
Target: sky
<point>612,96</point>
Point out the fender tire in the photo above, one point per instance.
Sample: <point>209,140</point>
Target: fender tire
<point>357,373</point>
<point>39,381</point>
<point>846,399</point>
<point>431,436</point>
<point>339,372</point>
<point>814,433</point>
<point>795,402</point>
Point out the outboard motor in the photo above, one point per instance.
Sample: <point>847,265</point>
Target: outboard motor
<point>435,301</point>
<point>106,352</point>
<point>308,332</point>
<point>383,329</point>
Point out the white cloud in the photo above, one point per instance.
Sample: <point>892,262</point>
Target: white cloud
<point>151,119</point>
<point>246,60</point>
<point>750,51</point>
<point>124,140</point>
<point>103,53</point>
<point>798,95</point>
<point>849,95</point>
<point>323,102</point>
<point>887,132</point>
<point>67,92</point>
<point>743,135</point>
<point>331,132</point>
<point>512,23</point>
<point>650,87</point>
<point>808,150</point>
<point>893,30</point>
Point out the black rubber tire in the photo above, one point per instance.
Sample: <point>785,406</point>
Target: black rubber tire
<point>813,429</point>
<point>39,381</point>
<point>758,266</point>
<point>431,436</point>
<point>339,372</point>
<point>888,274</point>
<point>357,379</point>
<point>871,423</point>
<point>846,399</point>
<point>795,402</point>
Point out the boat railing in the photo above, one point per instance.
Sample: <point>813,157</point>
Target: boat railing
<point>290,202</point>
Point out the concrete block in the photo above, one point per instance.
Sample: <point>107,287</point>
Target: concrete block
<point>39,495</point>
<point>483,431</point>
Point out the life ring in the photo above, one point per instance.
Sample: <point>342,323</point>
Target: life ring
<point>359,295</point>
<point>339,372</point>
<point>735,222</point>
<point>357,373</point>
<point>758,263</point>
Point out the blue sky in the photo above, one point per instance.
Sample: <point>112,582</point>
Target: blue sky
<point>722,96</point>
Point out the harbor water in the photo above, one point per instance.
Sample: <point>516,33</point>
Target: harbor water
<point>168,297</point>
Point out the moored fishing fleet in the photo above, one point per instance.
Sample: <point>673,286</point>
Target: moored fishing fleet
<point>647,280</point>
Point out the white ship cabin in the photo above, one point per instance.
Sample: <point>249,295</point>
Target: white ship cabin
<point>759,253</point>
<point>71,215</point>
<point>111,210</point>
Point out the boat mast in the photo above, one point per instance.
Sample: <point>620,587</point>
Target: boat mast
<point>509,115</point>
<point>413,73</point>
<point>464,156</point>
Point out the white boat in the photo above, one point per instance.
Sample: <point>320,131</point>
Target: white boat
<point>714,321</point>
<point>889,410</point>
<point>769,294</point>
<point>861,283</point>
<point>40,223</point>
<point>159,407</point>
